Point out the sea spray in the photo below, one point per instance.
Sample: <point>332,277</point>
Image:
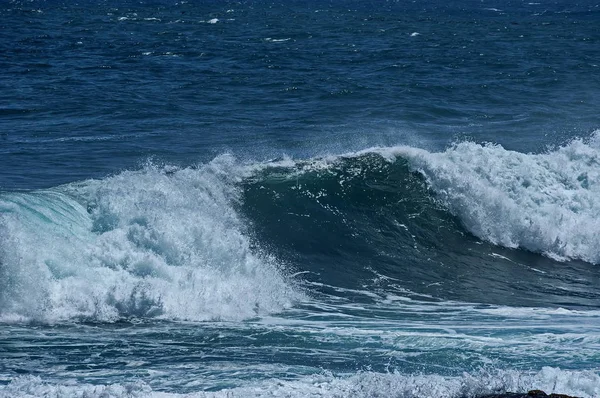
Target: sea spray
<point>156,242</point>
<point>547,203</point>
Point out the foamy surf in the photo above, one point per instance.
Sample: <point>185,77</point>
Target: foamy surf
<point>157,242</point>
<point>547,203</point>
<point>584,384</point>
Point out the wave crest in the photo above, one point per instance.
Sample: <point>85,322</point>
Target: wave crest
<point>547,203</point>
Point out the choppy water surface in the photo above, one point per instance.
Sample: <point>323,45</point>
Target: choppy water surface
<point>299,199</point>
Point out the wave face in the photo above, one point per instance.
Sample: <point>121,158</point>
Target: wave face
<point>157,242</point>
<point>545,203</point>
<point>449,224</point>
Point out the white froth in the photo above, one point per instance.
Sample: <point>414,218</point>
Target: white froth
<point>151,243</point>
<point>547,203</point>
<point>584,384</point>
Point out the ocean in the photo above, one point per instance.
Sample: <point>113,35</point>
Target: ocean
<point>299,198</point>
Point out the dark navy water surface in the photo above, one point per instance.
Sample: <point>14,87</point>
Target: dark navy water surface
<point>300,198</point>
<point>91,88</point>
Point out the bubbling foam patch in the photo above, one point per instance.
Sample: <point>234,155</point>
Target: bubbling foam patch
<point>159,242</point>
<point>584,384</point>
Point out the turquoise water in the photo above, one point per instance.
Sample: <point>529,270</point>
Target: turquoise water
<point>299,199</point>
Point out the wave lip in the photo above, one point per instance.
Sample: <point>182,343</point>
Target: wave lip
<point>547,203</point>
<point>165,243</point>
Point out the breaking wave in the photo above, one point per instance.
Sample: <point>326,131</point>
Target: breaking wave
<point>158,242</point>
<point>206,242</point>
<point>547,203</point>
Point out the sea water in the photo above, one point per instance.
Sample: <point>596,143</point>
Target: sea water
<point>300,198</point>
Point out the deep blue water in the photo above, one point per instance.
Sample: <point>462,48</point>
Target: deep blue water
<point>299,198</point>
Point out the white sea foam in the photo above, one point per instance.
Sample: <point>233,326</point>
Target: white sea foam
<point>585,384</point>
<point>156,242</point>
<point>547,203</point>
